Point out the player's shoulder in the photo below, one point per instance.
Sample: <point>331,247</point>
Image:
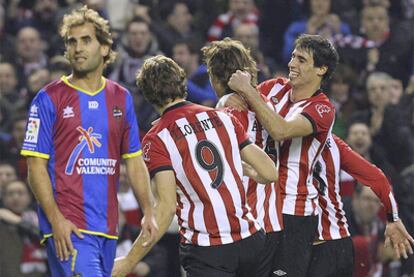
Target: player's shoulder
<point>54,87</point>
<point>115,87</point>
<point>276,83</point>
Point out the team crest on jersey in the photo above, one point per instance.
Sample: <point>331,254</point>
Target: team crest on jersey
<point>33,127</point>
<point>117,112</point>
<point>145,151</point>
<point>274,99</point>
<point>321,109</point>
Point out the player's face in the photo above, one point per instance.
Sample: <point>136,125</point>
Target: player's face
<point>84,51</point>
<point>301,68</point>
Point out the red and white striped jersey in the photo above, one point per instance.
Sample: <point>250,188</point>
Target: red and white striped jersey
<point>297,156</point>
<point>261,198</point>
<point>337,156</point>
<point>202,146</point>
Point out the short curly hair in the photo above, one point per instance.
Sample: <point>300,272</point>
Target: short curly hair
<point>224,57</point>
<point>84,15</point>
<point>161,80</point>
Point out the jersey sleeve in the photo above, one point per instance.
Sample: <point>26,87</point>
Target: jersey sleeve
<point>131,145</point>
<point>241,134</point>
<point>240,115</point>
<point>265,87</point>
<point>369,175</point>
<point>321,115</point>
<point>38,141</point>
<point>155,155</point>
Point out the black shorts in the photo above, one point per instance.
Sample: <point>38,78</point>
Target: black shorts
<point>332,258</point>
<point>240,258</point>
<point>298,236</point>
<point>271,253</point>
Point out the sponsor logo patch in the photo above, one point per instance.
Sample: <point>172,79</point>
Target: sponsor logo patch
<point>33,127</point>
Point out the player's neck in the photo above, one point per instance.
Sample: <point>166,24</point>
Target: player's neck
<point>92,81</point>
<point>172,103</point>
<point>303,92</point>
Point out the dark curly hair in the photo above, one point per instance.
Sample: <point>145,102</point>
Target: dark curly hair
<point>224,57</point>
<point>161,80</point>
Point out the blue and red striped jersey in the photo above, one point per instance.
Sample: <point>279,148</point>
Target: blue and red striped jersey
<point>83,135</point>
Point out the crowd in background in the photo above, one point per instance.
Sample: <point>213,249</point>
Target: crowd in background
<point>372,91</point>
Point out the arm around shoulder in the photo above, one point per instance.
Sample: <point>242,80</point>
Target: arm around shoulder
<point>261,163</point>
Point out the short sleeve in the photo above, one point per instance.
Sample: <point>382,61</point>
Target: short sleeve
<point>240,115</point>
<point>155,155</point>
<point>38,141</point>
<point>321,115</point>
<point>131,145</point>
<point>242,136</point>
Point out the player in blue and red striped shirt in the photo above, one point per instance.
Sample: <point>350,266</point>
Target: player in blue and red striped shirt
<point>78,129</point>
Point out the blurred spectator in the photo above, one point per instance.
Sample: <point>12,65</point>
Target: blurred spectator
<point>186,54</point>
<point>30,55</point>
<point>240,11</point>
<point>7,174</point>
<point>10,149</point>
<point>320,21</point>
<point>21,254</point>
<point>340,90</point>
<point>178,25</point>
<point>7,50</point>
<point>381,117</point>
<point>380,46</point>
<point>360,140</point>
<point>396,91</point>
<point>272,28</point>
<point>11,97</point>
<point>407,103</point>
<point>248,34</point>
<point>58,66</point>
<point>45,21</point>
<point>138,44</point>
<point>367,232</point>
<point>36,81</point>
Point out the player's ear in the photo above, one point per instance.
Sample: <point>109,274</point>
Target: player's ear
<point>322,70</point>
<point>105,50</point>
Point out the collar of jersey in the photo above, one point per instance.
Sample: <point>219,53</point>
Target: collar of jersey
<point>92,93</point>
<point>175,106</point>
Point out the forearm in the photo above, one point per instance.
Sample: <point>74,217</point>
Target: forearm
<point>139,179</point>
<point>163,217</point>
<point>270,120</point>
<point>41,186</point>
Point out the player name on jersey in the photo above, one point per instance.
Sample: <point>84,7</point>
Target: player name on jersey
<point>196,127</point>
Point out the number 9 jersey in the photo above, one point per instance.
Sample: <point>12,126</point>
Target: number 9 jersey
<point>203,146</point>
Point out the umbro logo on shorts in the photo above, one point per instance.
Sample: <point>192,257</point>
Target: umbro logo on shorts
<point>279,272</point>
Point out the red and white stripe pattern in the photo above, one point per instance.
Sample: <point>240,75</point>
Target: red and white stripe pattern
<point>332,220</point>
<point>261,198</point>
<point>228,19</point>
<point>206,215</point>
<point>337,156</point>
<point>297,156</point>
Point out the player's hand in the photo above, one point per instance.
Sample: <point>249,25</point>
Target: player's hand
<point>240,82</point>
<point>62,229</point>
<point>149,231</point>
<point>397,237</point>
<point>122,267</point>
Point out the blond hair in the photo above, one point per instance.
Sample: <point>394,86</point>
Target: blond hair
<point>82,16</point>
